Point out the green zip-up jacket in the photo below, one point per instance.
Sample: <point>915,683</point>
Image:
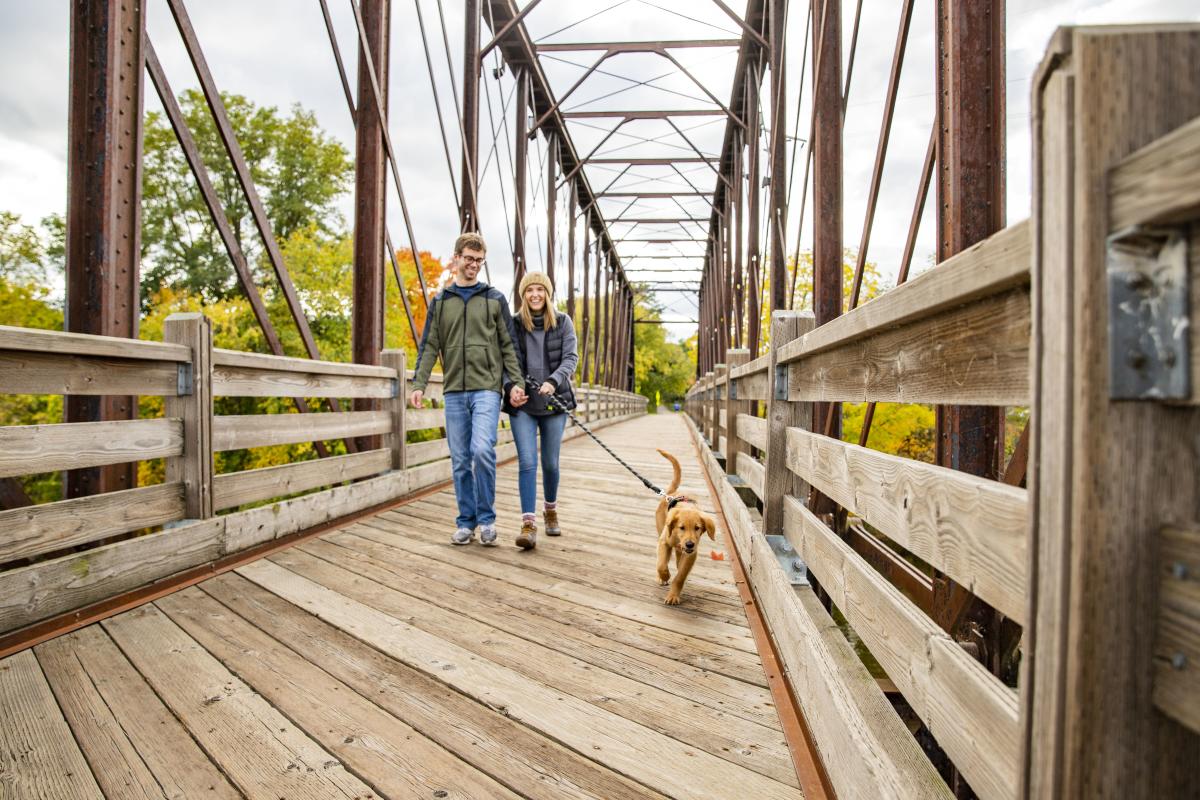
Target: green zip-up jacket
<point>468,327</point>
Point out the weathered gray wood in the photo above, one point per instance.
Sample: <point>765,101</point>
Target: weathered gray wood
<point>755,367</point>
<point>193,467</point>
<point>262,430</point>
<point>1158,184</point>
<point>971,528</point>
<point>424,452</point>
<point>26,372</point>
<point>395,360</point>
<point>29,449</point>
<point>752,473</point>
<point>730,409</point>
<point>418,419</point>
<point>246,382</point>
<point>235,488</point>
<point>34,530</point>
<point>1177,647</point>
<point>752,431</point>
<point>786,327</point>
<point>38,755</point>
<point>269,363</point>
<point>753,387</point>
<point>86,344</point>
<point>969,711</point>
<point>976,354</point>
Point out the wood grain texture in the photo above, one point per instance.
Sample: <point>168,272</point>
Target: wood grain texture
<point>396,406</point>
<point>194,466</point>
<point>38,755</point>
<point>35,530</point>
<point>753,387</point>
<point>270,363</point>
<point>262,430</point>
<point>752,430</point>
<point>1177,646</point>
<point>730,409</point>
<point>26,372</point>
<point>993,266</point>
<point>29,449</point>
<point>235,488</point>
<point>86,344</point>
<point>419,419</point>
<point>971,528</point>
<point>247,382</point>
<point>1159,184</point>
<point>976,354</point>
<point>753,473</point>
<point>786,326</point>
<point>755,367</point>
<point>972,715</point>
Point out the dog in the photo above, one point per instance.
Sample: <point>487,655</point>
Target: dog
<point>681,525</point>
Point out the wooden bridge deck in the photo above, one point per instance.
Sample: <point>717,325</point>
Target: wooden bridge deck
<point>379,660</point>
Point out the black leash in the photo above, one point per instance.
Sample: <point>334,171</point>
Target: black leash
<point>563,405</point>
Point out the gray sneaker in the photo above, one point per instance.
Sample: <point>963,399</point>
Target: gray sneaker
<point>487,535</point>
<point>463,536</point>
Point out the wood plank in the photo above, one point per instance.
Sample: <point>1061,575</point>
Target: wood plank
<point>38,755</point>
<point>86,344</point>
<point>35,530</point>
<point>753,430</point>
<point>135,745</point>
<point>753,473</point>
<point>245,382</point>
<point>424,452</point>
<point>264,362</point>
<point>786,326</point>
<point>753,387</point>
<point>194,467</point>
<point>419,419</point>
<point>969,711</point>
<point>645,756</point>
<point>38,591</point>
<point>235,488</point>
<point>396,759</point>
<point>509,751</point>
<point>758,365</point>
<point>24,372</point>
<point>704,728</point>
<point>397,406</point>
<point>1177,646</point>
<point>865,747</point>
<point>976,354</point>
<point>264,430</point>
<point>262,752</point>
<point>29,449</point>
<point>971,528</point>
<point>994,266</point>
<point>1158,184</point>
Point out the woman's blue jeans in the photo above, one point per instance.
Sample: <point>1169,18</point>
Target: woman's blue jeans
<point>525,428</point>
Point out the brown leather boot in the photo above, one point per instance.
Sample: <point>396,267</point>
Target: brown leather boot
<point>550,517</point>
<point>527,540</point>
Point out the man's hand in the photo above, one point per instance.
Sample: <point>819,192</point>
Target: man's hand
<point>517,397</point>
<point>416,398</point>
<point>546,388</point>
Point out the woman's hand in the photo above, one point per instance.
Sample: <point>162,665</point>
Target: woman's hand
<point>546,388</point>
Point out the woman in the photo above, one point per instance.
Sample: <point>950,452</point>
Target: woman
<point>546,348</point>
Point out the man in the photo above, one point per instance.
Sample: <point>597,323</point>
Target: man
<point>467,325</point>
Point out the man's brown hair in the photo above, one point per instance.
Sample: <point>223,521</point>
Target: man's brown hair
<point>471,240</point>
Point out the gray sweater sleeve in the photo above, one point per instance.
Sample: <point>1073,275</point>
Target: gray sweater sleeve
<point>570,353</point>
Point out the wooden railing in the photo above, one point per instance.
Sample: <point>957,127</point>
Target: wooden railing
<point>1098,561</point>
<point>55,557</point>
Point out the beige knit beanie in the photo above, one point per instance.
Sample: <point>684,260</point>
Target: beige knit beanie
<point>539,278</point>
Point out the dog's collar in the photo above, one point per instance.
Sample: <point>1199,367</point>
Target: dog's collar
<point>676,500</point>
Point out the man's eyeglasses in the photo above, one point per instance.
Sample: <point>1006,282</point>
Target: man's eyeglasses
<point>477,261</point>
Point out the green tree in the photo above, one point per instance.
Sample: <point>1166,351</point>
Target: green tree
<point>663,370</point>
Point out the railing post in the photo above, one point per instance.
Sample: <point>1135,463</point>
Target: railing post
<point>193,405</point>
<point>398,360</point>
<point>707,402</point>
<point>718,396</point>
<point>733,442</point>
<point>781,415</point>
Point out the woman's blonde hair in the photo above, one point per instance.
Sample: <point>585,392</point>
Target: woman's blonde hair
<point>549,317</point>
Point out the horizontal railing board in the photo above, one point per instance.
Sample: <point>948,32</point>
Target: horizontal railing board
<point>423,452</point>
<point>968,710</point>
<point>36,530</point>
<point>235,488</point>
<point>240,381</point>
<point>753,387</point>
<point>759,365</point>
<point>1158,184</point>
<point>263,430</point>
<point>752,430</point>
<point>24,372</point>
<point>86,344</point>
<point>864,745</point>
<point>976,354</point>
<point>262,361</point>
<point>752,472</point>
<point>418,419</point>
<point>1177,645</point>
<point>994,265</point>
<point>971,528</point>
<point>31,449</point>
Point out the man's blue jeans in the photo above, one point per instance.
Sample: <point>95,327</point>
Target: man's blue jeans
<point>471,420</point>
<point>525,428</point>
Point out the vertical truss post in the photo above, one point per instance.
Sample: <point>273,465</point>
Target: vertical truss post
<point>630,316</point>
<point>739,286</point>
<point>370,199</point>
<point>585,328</point>
<point>551,200</point>
<point>469,210</point>
<point>521,157</point>
<point>777,225</point>
<point>731,333</point>
<point>753,208</point>
<point>597,317</point>
<point>574,201</point>
<point>104,200</point>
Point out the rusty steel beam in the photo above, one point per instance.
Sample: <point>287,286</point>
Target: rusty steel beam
<point>745,25</point>
<point>522,170</point>
<point>571,252</point>
<point>753,210</point>
<point>504,31</point>
<point>468,214</point>
<point>636,47</point>
<point>597,317</point>
<point>663,114</point>
<point>651,162</point>
<point>777,205</point>
<point>655,195</point>
<point>104,162</point>
<point>587,317</point>
<point>658,220</point>
<point>551,201</point>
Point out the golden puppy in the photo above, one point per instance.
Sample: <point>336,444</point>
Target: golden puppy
<point>681,524</point>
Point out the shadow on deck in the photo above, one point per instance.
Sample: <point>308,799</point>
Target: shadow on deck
<point>379,660</point>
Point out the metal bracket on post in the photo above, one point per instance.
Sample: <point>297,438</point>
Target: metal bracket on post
<point>1148,321</point>
<point>732,389</point>
<point>781,381</point>
<point>183,381</point>
<point>395,388</point>
<point>789,560</point>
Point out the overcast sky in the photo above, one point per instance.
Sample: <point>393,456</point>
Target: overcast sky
<point>276,53</point>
